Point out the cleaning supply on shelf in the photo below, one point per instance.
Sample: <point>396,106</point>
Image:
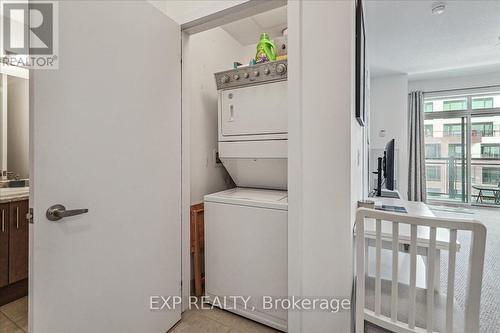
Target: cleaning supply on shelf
<point>266,50</point>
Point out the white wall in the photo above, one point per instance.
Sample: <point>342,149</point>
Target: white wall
<point>204,54</point>
<point>455,82</point>
<point>18,126</point>
<point>389,112</point>
<point>323,185</point>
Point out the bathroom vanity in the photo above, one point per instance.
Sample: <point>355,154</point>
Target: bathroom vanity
<point>13,243</point>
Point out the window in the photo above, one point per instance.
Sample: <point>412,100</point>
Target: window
<point>490,150</point>
<point>433,190</point>
<point>491,176</point>
<point>433,172</point>
<point>429,130</point>
<point>432,150</point>
<point>429,107</point>
<point>455,150</point>
<point>482,129</point>
<point>482,103</point>
<point>455,105</point>
<point>458,173</point>
<point>452,129</point>
<point>462,143</point>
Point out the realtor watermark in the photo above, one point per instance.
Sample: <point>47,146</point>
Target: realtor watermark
<point>248,303</point>
<point>29,34</point>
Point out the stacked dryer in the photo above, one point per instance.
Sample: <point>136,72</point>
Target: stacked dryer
<point>246,227</point>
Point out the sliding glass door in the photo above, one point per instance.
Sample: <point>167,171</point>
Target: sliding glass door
<point>485,159</point>
<point>446,161</point>
<point>462,148</point>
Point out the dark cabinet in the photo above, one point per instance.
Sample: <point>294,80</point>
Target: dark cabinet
<point>14,245</point>
<point>4,244</point>
<point>18,241</point>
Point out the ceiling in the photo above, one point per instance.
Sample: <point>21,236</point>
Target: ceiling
<point>248,30</point>
<point>404,37</point>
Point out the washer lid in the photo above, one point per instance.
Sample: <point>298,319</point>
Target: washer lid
<point>251,197</point>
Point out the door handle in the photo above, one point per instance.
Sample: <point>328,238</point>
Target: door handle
<point>57,212</point>
<point>231,112</point>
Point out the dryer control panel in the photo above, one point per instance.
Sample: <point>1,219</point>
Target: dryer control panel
<point>250,75</point>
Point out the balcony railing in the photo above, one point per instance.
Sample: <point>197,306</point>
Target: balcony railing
<point>452,181</point>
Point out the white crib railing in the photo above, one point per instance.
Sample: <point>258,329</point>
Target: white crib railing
<point>391,322</point>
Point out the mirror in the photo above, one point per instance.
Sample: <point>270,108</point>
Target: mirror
<point>14,124</point>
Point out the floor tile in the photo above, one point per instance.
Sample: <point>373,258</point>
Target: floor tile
<point>248,326</point>
<point>23,323</point>
<point>238,324</point>
<point>8,326</point>
<point>217,320</point>
<point>194,321</point>
<point>17,310</point>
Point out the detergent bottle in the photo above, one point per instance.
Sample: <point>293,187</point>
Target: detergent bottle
<point>266,51</point>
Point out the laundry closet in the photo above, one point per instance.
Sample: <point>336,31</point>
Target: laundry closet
<point>235,135</point>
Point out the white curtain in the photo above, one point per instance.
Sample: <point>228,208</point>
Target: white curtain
<point>416,147</point>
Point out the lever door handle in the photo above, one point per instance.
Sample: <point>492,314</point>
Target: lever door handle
<point>57,212</point>
<point>231,112</point>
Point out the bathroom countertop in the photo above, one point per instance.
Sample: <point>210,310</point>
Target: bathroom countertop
<point>10,194</point>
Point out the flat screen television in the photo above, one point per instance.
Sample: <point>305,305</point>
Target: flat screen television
<point>389,165</point>
<point>385,170</point>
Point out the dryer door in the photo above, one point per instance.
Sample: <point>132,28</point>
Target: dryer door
<point>254,110</point>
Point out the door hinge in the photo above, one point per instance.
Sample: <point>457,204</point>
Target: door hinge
<point>29,216</point>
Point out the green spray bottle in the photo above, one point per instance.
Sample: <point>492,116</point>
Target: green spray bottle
<point>266,50</point>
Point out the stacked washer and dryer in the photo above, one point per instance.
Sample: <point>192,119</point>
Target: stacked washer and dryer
<point>246,233</point>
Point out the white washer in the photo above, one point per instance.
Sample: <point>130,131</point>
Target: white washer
<point>246,250</point>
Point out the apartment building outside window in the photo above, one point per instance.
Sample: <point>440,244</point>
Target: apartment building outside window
<point>462,145</point>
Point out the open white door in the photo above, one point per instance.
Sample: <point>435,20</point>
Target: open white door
<point>106,131</point>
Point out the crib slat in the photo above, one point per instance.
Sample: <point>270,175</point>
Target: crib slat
<point>378,255</point>
<point>450,293</point>
<point>413,277</point>
<point>395,261</point>
<point>367,256</point>
<point>431,265</point>
<point>360,274</point>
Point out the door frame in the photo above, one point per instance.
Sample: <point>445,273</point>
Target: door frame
<point>5,72</point>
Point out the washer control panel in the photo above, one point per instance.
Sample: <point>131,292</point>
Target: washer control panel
<point>259,73</point>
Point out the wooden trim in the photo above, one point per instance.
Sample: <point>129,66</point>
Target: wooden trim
<point>231,14</point>
<point>198,245</point>
<point>13,291</point>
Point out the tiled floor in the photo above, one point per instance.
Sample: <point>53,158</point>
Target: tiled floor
<point>217,321</point>
<point>14,316</point>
